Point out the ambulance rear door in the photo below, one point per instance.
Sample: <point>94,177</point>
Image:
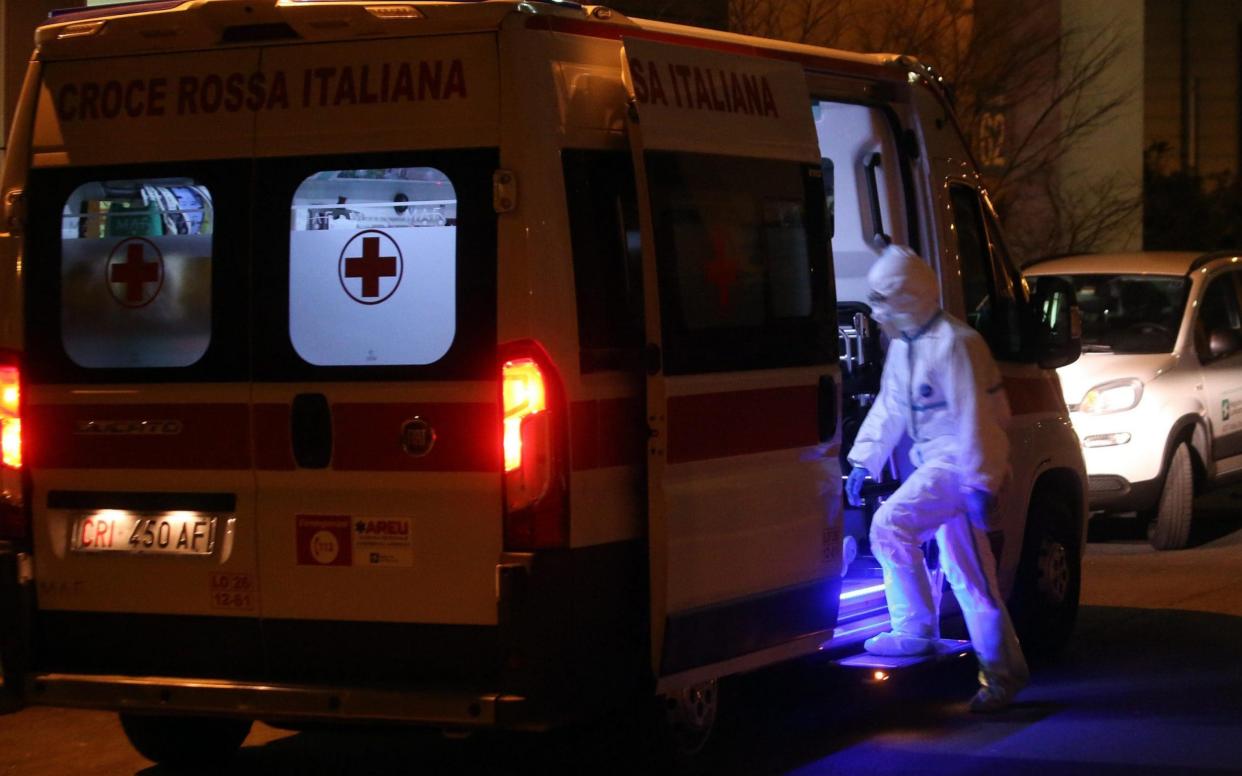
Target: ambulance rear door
<point>744,485</point>
<point>136,365</point>
<point>378,428</point>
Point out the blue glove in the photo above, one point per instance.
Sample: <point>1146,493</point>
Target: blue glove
<point>854,486</point>
<point>980,506</point>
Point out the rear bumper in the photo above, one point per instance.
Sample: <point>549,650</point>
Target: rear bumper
<point>569,643</point>
<point>281,702</point>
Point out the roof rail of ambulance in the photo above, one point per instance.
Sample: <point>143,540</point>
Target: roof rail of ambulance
<point>146,6</point>
<point>116,9</point>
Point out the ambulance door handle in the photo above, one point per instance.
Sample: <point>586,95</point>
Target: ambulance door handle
<point>827,408</point>
<point>311,430</point>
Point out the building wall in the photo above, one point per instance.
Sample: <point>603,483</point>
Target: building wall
<point>1162,51</point>
<point>1193,90</point>
<point>1111,158</point>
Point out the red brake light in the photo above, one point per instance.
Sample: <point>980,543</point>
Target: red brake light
<point>10,416</point>
<point>534,439</point>
<point>14,517</point>
<point>524,396</point>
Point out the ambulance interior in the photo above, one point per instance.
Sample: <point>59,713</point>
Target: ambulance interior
<point>864,190</point>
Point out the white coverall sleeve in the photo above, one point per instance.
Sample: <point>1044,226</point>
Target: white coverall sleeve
<point>885,422</point>
<point>976,397</point>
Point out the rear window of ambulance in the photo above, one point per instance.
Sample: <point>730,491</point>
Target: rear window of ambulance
<point>135,273</point>
<point>372,267</point>
<point>744,267</point>
<point>375,267</point>
<point>366,267</point>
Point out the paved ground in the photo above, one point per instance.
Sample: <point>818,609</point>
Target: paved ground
<point>1151,685</point>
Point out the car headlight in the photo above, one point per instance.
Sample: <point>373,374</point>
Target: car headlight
<point>1115,396</point>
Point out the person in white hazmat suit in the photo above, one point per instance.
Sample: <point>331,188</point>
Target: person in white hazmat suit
<point>940,386</point>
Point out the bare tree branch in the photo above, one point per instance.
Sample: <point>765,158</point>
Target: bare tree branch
<point>1004,58</point>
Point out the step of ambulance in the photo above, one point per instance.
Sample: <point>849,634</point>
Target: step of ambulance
<point>946,650</point>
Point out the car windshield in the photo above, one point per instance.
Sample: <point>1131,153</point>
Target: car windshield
<point>1130,313</point>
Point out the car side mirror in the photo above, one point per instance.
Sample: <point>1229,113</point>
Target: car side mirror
<point>1223,342</point>
<point>1056,323</point>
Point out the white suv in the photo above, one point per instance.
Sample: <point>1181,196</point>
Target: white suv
<point>1156,398</point>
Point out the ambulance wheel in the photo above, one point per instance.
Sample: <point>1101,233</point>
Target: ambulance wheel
<point>185,741</point>
<point>687,719</point>
<point>1044,603</point>
<point>1170,526</point>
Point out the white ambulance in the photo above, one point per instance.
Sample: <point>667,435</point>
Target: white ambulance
<point>480,364</point>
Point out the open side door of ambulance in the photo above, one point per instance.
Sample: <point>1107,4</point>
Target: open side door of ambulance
<point>744,514</point>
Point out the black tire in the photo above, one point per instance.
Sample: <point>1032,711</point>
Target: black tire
<point>182,742</point>
<point>1170,526</point>
<point>689,719</point>
<point>1044,603</point>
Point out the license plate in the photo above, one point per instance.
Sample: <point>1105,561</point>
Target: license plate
<point>157,533</point>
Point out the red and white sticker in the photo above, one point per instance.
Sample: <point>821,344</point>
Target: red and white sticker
<point>371,266</point>
<point>340,540</point>
<point>135,272</point>
<point>324,540</point>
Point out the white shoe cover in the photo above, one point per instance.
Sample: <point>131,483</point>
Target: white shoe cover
<point>994,695</point>
<point>897,645</point>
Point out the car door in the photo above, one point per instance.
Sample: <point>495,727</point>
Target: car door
<point>377,412</point>
<point>136,369</point>
<point>1218,341</point>
<point>744,510</point>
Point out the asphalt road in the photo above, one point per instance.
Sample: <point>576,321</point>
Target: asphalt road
<point>1152,684</point>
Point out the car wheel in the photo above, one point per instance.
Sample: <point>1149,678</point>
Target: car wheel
<point>1170,528</point>
<point>688,719</point>
<point>1044,603</point>
<point>185,741</point>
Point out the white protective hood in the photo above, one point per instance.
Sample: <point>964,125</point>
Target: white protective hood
<point>906,294</point>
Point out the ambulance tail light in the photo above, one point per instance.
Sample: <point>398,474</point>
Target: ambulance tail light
<point>14,519</point>
<point>535,449</point>
<point>10,414</point>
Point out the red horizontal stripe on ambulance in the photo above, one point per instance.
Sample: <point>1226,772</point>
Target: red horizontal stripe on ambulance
<point>720,425</point>
<point>607,432</point>
<point>210,436</point>
<point>1030,395</point>
<point>273,437</point>
<point>367,437</point>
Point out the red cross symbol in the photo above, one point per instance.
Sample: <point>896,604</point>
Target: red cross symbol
<point>721,271</point>
<point>371,266</point>
<point>135,272</point>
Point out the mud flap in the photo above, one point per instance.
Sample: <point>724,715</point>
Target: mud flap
<point>16,603</point>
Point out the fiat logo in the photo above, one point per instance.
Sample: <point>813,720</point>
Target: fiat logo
<point>418,437</point>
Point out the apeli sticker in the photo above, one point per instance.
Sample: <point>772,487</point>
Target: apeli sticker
<point>383,541</point>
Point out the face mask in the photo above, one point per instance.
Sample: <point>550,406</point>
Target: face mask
<point>891,323</point>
